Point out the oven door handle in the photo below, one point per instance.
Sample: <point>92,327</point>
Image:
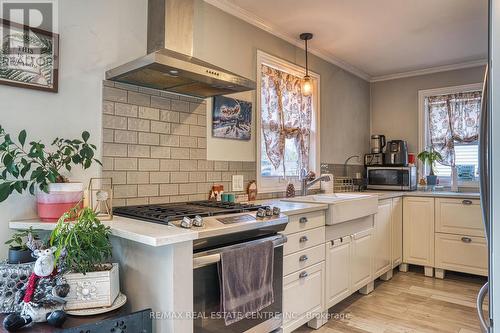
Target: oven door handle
<point>210,257</point>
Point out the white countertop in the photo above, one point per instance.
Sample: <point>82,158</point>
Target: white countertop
<point>292,208</point>
<point>160,235</point>
<point>154,234</point>
<point>434,194</point>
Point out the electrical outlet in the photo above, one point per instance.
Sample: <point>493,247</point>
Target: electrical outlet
<point>238,183</point>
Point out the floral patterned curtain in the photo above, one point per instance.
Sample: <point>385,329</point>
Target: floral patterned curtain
<point>453,119</point>
<point>286,114</point>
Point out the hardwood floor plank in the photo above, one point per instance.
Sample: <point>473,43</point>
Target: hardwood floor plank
<point>410,303</point>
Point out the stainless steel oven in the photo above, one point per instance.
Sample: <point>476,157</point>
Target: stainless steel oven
<point>208,318</point>
<point>392,178</point>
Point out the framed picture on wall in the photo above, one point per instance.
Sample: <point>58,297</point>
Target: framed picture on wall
<point>231,118</point>
<point>28,57</point>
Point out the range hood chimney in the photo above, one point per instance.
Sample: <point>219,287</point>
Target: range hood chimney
<point>169,64</point>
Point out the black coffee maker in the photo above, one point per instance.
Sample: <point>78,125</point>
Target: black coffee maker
<point>396,153</point>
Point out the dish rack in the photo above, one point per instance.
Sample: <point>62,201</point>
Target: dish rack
<point>343,184</point>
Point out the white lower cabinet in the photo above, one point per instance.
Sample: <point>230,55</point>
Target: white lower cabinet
<point>302,259</point>
<point>303,295</point>
<point>397,232</point>
<point>467,254</point>
<point>361,259</point>
<point>418,231</point>
<point>382,246</point>
<point>444,234</point>
<point>338,261</point>
<point>303,269</point>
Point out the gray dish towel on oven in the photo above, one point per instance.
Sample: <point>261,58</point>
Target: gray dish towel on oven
<point>246,281</point>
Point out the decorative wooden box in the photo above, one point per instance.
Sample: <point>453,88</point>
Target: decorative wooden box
<point>92,290</point>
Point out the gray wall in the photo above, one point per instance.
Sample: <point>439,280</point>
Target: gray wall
<point>394,103</point>
<point>94,35</point>
<point>229,42</point>
<point>99,35</point>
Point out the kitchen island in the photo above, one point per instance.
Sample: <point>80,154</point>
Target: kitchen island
<point>156,263</point>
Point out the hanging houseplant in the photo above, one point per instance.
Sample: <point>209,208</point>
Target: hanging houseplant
<point>37,168</point>
<point>430,157</point>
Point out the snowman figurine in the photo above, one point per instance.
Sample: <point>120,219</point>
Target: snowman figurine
<point>42,297</point>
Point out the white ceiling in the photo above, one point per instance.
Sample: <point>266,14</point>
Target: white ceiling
<point>376,39</point>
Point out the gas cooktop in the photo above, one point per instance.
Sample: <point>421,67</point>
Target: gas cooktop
<point>166,213</point>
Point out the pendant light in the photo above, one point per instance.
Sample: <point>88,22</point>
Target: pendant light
<point>307,86</point>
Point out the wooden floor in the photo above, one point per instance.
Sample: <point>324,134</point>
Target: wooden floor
<point>410,302</point>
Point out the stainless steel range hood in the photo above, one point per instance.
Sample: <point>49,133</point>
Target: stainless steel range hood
<point>169,64</point>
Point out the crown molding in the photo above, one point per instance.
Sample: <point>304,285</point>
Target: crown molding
<point>234,10</point>
<point>254,20</point>
<point>431,70</point>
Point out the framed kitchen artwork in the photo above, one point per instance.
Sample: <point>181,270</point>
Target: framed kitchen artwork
<point>231,118</point>
<point>28,57</point>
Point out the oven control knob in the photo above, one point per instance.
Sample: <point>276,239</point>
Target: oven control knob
<point>269,211</point>
<point>261,213</point>
<point>198,221</point>
<point>186,223</point>
<point>276,211</point>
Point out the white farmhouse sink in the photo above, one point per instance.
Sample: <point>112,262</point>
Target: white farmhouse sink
<point>343,207</point>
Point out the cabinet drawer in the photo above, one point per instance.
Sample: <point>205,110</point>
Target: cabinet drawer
<point>302,222</point>
<point>302,259</point>
<point>459,216</point>
<point>303,294</point>
<point>304,240</point>
<point>459,253</point>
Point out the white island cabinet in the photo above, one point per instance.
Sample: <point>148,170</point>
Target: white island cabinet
<point>156,268</point>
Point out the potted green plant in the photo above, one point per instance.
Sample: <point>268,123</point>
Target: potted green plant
<point>38,168</point>
<point>83,253</point>
<point>21,246</point>
<point>430,157</point>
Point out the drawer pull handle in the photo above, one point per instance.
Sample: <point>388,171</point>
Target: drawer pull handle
<point>303,275</point>
<point>303,220</point>
<point>303,239</point>
<point>303,258</point>
<point>467,202</point>
<point>466,239</point>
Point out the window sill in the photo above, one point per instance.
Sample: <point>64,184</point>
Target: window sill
<point>281,187</point>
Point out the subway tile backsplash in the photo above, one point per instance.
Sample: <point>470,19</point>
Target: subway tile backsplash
<point>154,147</point>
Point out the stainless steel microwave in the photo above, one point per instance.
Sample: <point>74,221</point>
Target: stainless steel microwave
<point>392,178</point>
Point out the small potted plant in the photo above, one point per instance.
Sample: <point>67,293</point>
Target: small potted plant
<point>430,157</point>
<point>34,167</point>
<point>83,253</point>
<point>21,246</point>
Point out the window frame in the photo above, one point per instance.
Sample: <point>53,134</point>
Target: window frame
<point>423,128</point>
<point>271,184</point>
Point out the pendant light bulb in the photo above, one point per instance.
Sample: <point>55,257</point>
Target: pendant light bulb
<point>307,86</point>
